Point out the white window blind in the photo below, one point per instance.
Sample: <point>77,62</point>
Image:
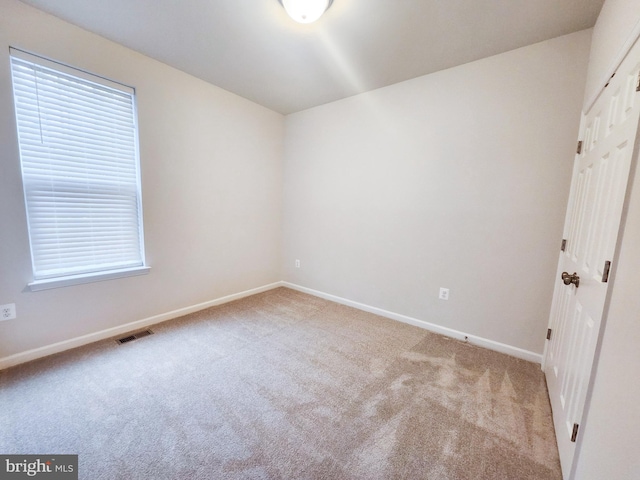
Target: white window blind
<point>79,154</point>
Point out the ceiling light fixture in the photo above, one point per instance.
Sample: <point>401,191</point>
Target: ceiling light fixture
<point>306,11</point>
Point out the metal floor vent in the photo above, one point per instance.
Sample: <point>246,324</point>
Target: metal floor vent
<point>134,336</point>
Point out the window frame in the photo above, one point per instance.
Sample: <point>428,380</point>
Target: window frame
<point>68,278</point>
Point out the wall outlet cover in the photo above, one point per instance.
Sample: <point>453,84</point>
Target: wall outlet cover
<point>8,311</point>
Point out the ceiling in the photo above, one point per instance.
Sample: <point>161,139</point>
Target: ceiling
<point>252,48</point>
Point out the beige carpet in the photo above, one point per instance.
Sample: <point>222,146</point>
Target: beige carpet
<point>283,385</point>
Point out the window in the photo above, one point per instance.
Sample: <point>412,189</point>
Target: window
<point>79,154</point>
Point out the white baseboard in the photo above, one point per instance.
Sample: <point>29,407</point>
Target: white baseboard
<point>40,352</point>
<point>449,332</point>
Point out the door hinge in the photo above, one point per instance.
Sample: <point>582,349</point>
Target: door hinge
<point>579,149</point>
<point>563,247</point>
<point>638,84</point>
<point>548,334</point>
<point>574,434</point>
<point>610,78</point>
<point>605,272</point>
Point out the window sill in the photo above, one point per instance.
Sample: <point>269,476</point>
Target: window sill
<point>46,284</point>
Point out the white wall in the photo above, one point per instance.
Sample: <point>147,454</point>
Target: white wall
<point>211,179</point>
<point>618,23</point>
<point>609,443</point>
<point>456,179</point>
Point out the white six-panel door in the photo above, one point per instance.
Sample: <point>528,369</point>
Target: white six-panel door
<point>599,184</point>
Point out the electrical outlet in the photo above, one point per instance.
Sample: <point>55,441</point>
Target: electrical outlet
<point>8,311</point>
<point>297,263</point>
<point>444,294</point>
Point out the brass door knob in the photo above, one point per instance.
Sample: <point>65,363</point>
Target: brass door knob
<point>568,279</point>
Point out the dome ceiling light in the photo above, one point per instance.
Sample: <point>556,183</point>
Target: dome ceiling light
<point>305,11</point>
